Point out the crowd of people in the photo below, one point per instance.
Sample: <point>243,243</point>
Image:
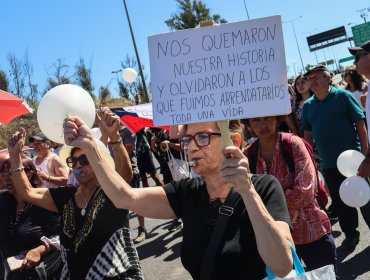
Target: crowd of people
<point>71,202</point>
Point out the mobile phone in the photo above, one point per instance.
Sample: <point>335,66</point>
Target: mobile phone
<point>15,262</point>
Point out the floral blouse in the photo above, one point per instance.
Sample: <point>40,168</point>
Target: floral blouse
<point>309,221</point>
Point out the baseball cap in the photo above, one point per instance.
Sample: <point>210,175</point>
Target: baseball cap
<point>363,47</point>
<point>317,68</point>
<point>39,137</point>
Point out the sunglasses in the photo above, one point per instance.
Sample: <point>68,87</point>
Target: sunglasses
<point>359,55</point>
<point>72,161</point>
<point>201,139</point>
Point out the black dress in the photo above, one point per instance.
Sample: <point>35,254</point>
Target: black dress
<point>98,244</point>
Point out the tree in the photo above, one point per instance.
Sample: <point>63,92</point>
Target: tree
<point>123,91</point>
<point>4,82</point>
<point>104,94</point>
<point>58,76</point>
<point>83,77</point>
<point>16,74</point>
<point>140,92</point>
<point>128,90</point>
<point>32,94</point>
<point>190,14</point>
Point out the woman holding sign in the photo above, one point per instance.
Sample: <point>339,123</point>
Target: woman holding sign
<point>258,229</point>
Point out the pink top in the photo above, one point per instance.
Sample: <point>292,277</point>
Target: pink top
<point>309,221</point>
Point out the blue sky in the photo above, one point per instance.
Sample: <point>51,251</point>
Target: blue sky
<point>98,30</point>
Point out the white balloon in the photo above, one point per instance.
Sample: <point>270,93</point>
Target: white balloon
<point>129,75</point>
<point>349,161</point>
<point>60,101</point>
<point>96,132</point>
<point>355,191</point>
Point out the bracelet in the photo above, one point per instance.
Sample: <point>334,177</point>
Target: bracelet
<point>115,142</point>
<point>48,179</point>
<point>15,170</point>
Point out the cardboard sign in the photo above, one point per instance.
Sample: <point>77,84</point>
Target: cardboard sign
<point>222,72</point>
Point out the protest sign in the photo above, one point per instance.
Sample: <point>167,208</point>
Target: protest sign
<point>229,71</point>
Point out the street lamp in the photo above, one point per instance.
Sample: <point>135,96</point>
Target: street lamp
<point>350,40</point>
<point>363,13</point>
<point>296,40</point>
<point>246,9</point>
<point>136,52</point>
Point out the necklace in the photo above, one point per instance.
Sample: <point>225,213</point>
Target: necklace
<point>83,210</point>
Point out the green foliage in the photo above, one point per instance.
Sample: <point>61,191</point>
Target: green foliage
<point>129,90</point>
<point>59,75</point>
<point>4,82</point>
<point>123,91</point>
<point>190,14</point>
<point>141,93</point>
<point>83,77</point>
<point>16,75</point>
<point>104,94</point>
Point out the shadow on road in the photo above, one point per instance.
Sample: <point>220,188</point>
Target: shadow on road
<point>155,247</point>
<point>355,266</point>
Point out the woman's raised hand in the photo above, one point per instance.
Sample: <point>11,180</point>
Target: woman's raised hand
<point>109,123</point>
<point>235,169</point>
<point>16,142</point>
<point>77,133</point>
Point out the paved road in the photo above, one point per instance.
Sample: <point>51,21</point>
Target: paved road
<point>159,254</point>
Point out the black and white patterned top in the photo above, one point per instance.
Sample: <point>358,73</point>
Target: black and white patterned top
<point>97,245</point>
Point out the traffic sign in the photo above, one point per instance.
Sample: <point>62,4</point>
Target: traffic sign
<point>345,59</point>
<point>361,33</point>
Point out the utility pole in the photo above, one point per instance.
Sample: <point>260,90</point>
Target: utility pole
<point>136,52</point>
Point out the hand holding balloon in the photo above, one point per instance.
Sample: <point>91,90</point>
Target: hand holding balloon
<point>77,133</point>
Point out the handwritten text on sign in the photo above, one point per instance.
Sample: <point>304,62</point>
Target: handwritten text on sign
<point>228,71</point>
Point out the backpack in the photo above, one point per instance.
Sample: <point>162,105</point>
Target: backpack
<point>286,150</point>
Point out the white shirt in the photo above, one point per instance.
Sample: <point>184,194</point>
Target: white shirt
<point>357,94</point>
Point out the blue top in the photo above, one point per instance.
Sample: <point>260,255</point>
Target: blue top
<point>332,123</point>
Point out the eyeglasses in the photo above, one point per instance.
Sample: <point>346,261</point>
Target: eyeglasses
<point>201,139</point>
<point>359,55</point>
<point>72,161</point>
<point>33,140</point>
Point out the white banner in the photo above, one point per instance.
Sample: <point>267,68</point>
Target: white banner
<point>229,71</point>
